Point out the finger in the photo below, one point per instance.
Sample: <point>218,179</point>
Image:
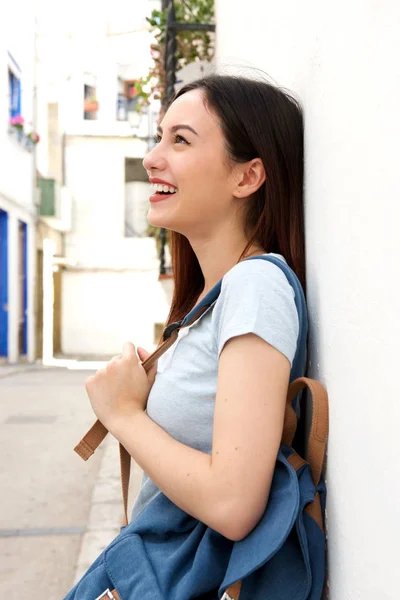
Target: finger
<point>143,354</point>
<point>128,350</point>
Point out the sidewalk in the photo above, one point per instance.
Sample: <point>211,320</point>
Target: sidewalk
<point>59,512</point>
<point>106,510</point>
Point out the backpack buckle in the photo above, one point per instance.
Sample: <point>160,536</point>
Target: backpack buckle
<point>106,595</point>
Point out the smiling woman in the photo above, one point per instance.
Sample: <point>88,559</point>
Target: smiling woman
<point>206,424</point>
<point>190,145</point>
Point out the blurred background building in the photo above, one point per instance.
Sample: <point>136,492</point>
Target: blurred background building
<point>79,275</point>
<point>18,196</point>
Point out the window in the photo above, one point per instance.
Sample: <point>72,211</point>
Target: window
<point>127,99</point>
<point>14,93</point>
<point>91,104</point>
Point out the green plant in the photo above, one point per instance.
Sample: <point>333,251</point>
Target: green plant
<point>191,45</point>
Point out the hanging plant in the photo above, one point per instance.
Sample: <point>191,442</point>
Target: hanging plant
<point>33,137</point>
<point>17,122</point>
<point>191,46</point>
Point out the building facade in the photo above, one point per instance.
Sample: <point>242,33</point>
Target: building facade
<point>110,288</point>
<point>18,199</point>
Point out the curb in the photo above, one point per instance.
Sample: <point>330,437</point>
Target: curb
<point>105,515</point>
<point>10,370</point>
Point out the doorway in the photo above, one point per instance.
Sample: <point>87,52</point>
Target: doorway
<point>22,290</point>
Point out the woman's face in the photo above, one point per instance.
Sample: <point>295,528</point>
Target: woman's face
<point>191,161</point>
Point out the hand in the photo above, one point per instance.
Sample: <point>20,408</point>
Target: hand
<point>120,389</point>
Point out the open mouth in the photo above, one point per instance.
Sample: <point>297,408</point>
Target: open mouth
<point>164,190</point>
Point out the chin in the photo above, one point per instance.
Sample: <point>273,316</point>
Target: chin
<point>158,218</point>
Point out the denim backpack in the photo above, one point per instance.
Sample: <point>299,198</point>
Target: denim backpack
<point>165,554</point>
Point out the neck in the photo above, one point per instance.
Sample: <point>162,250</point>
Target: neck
<point>218,254</point>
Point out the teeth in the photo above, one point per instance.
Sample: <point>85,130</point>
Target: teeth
<point>160,187</point>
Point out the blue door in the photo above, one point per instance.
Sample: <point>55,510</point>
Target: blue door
<point>23,268</point>
<point>3,283</point>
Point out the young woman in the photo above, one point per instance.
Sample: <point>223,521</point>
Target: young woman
<point>228,181</point>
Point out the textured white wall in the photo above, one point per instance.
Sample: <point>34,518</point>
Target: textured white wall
<point>342,60</point>
<point>102,310</point>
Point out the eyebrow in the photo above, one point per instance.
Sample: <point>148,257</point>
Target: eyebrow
<point>175,128</point>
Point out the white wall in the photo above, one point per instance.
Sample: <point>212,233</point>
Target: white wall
<point>137,195</point>
<point>342,60</point>
<point>104,309</point>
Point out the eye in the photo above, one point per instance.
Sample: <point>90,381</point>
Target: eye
<point>180,140</point>
<point>157,138</point>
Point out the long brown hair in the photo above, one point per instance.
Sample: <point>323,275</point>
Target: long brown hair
<point>258,120</point>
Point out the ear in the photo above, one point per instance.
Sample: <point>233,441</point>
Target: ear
<point>250,177</point>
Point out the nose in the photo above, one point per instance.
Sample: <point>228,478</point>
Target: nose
<point>154,160</point>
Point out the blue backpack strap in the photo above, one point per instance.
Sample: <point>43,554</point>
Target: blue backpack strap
<point>299,361</point>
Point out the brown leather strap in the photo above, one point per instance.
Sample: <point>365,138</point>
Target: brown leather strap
<point>290,422</point>
<point>315,511</point>
<point>318,437</point>
<point>109,595</point>
<point>296,461</point>
<point>125,466</point>
<point>91,440</point>
<point>233,591</point>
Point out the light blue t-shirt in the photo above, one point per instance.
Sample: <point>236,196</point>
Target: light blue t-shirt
<point>255,298</point>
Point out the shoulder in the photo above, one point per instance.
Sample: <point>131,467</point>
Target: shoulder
<point>258,276</point>
<point>256,297</point>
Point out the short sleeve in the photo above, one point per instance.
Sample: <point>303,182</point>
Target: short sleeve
<point>256,297</point>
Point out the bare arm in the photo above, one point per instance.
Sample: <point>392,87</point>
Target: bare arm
<point>228,490</point>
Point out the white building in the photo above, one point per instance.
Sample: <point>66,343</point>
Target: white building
<point>342,61</point>
<point>110,287</point>
<point>17,196</point>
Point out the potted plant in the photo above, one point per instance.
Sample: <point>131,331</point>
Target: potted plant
<point>91,104</point>
<point>33,137</point>
<point>17,123</point>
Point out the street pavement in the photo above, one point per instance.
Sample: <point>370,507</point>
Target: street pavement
<point>57,512</point>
